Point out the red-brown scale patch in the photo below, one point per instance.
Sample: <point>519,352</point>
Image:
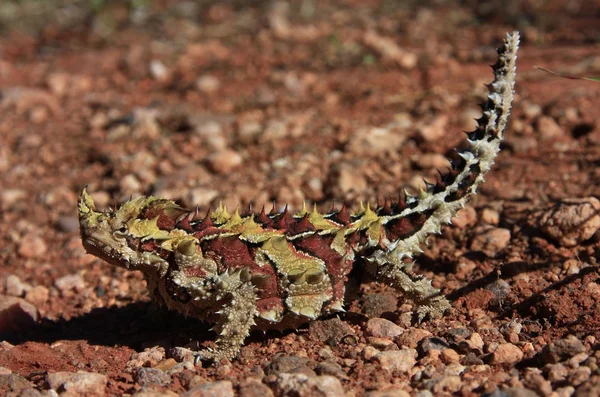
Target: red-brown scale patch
<point>406,226</point>
<point>229,252</point>
<point>299,226</point>
<point>167,214</point>
<point>337,268</point>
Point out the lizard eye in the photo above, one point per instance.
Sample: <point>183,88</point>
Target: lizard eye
<point>121,232</point>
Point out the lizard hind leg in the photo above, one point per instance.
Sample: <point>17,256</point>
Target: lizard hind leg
<point>429,300</point>
<point>236,317</point>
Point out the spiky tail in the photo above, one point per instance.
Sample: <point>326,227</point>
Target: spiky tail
<point>406,225</point>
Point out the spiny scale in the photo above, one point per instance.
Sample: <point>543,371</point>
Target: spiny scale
<point>282,269</point>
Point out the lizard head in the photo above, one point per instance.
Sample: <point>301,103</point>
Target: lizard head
<point>127,236</point>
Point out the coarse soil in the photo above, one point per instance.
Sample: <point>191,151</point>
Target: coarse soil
<point>264,102</point>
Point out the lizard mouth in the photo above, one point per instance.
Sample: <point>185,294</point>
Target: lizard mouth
<point>94,246</point>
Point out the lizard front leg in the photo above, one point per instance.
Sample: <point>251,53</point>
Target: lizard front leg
<point>236,316</point>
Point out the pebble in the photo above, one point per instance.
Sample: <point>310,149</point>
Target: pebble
<point>303,385</point>
<point>548,128</point>
<point>151,376</point>
<point>434,131</point>
<point>434,343</point>
<point>382,328</point>
<point>466,217</point>
<point>371,141</point>
<point>223,388</point>
<point>158,70</point>
<point>15,383</point>
<point>432,161</point>
<point>369,352</point>
<point>16,314</point>
<point>571,221</point>
<point>225,161</point>
<point>78,383</point>
<point>388,393</point>
<point>148,392</point>
<point>13,286</point>
<point>457,335</point>
<point>449,356</point>
<point>252,387</point>
<point>148,358</point>
<point>32,247</point>
<point>201,197</point>
<point>208,83</point>
<point>181,354</point>
<point>10,197</point>
<point>388,49</point>
<point>67,224</point>
<point>490,240</point>
<point>70,282</point>
<point>350,179</point>
<point>285,364</point>
<point>490,216</point>
<point>330,331</point>
<point>411,337</point>
<point>448,384</point>
<point>130,185</point>
<point>375,304</point>
<point>506,353</point>
<point>397,361</point>
<point>562,350</point>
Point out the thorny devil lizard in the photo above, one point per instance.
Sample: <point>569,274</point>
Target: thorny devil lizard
<point>280,270</point>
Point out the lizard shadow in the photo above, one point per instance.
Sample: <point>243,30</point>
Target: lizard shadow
<point>136,325</point>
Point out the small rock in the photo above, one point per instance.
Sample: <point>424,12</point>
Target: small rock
<point>67,224</point>
<point>303,385</point>
<point>389,50</point>
<point>369,352</point>
<point>14,286</point>
<point>70,282</point>
<point>158,70</point>
<point>435,130</point>
<point>10,197</point>
<point>557,373</point>
<point>254,388</point>
<point>548,128</point>
<point>181,354</point>
<point>208,83</point>
<point>382,328</point>
<point>448,384</point>
<point>201,197</point>
<point>411,337</point>
<point>37,295</point>
<point>130,185</point>
<point>376,140</point>
<point>571,221</point>
<point>151,376</point>
<point>14,383</point>
<point>580,376</point>
<point>457,335</point>
<point>561,350</point>
<point>16,314</point>
<point>397,361</point>
<point>148,392</point>
<point>506,353</point>
<point>225,161</point>
<point>490,216</point>
<point>223,388</point>
<point>449,356</point>
<point>285,364</point>
<point>32,247</point>
<point>388,393</point>
<point>330,367</point>
<point>349,179</point>
<point>374,305</point>
<point>148,358</point>
<point>432,161</point>
<point>78,383</point>
<point>500,290</point>
<point>465,217</point>
<point>490,240</point>
<point>434,343</point>
<point>331,331</point>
